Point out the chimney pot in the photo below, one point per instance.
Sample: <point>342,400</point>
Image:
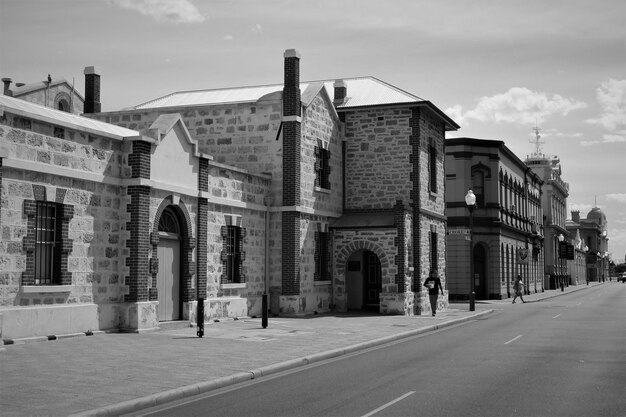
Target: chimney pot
<point>576,216</point>
<point>291,88</point>
<point>7,86</point>
<point>341,91</point>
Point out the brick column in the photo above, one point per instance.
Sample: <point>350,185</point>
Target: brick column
<point>139,226</point>
<point>400,242</point>
<point>416,204</point>
<point>201,230</point>
<point>291,174</point>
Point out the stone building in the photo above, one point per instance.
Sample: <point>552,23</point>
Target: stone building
<point>591,239</point>
<point>54,93</point>
<point>326,195</point>
<point>506,239</point>
<point>554,202</point>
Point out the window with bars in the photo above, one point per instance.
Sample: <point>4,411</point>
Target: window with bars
<point>322,256</point>
<point>45,238</point>
<point>322,168</point>
<point>434,255</point>
<point>233,255</point>
<point>432,168</point>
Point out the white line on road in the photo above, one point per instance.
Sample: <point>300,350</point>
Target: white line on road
<point>513,340</point>
<point>382,407</point>
<point>556,316</point>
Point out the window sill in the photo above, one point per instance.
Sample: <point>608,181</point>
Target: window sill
<point>41,289</point>
<point>322,190</point>
<point>320,283</point>
<point>233,286</point>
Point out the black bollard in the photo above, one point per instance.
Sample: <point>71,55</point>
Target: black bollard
<point>264,310</point>
<point>200,317</point>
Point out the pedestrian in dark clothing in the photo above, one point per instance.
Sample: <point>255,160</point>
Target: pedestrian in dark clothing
<point>519,289</point>
<point>433,283</point>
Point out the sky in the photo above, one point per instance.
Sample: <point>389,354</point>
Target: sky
<point>499,68</point>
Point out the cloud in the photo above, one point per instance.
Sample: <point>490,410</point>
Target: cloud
<point>257,29</point>
<point>611,96</point>
<point>176,11</point>
<point>518,105</point>
<point>619,138</point>
<point>620,198</point>
<point>228,38</point>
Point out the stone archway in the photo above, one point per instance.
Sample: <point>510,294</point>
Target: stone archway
<point>172,254</point>
<point>359,267</point>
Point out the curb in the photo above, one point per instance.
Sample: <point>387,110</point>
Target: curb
<point>164,397</point>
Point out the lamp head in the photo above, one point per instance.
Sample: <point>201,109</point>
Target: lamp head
<point>470,198</point>
<point>561,238</point>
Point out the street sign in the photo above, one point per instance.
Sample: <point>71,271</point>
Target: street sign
<point>458,231</point>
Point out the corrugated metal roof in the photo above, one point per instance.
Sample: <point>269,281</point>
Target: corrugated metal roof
<point>363,91</point>
<point>60,118</point>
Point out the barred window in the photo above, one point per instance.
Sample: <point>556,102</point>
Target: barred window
<point>45,237</point>
<point>432,169</point>
<point>322,168</point>
<point>233,254</point>
<point>322,256</point>
<point>434,255</point>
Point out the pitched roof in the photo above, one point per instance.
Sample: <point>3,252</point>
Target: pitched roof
<point>361,92</point>
<point>40,85</point>
<point>64,119</point>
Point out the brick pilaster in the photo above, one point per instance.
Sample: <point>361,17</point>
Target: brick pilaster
<point>291,253</point>
<point>400,243</point>
<point>414,140</point>
<point>201,253</point>
<point>138,243</point>
<point>291,174</point>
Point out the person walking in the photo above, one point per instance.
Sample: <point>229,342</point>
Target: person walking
<point>433,283</point>
<point>519,289</point>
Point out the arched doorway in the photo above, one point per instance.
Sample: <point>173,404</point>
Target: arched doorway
<point>363,281</point>
<point>168,276</point>
<point>480,272</point>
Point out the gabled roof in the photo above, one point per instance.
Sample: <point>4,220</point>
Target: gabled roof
<point>361,92</point>
<point>64,119</point>
<point>41,85</point>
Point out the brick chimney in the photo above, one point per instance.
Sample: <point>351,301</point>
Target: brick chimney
<point>7,86</point>
<point>576,216</point>
<point>291,89</point>
<point>92,91</point>
<point>341,91</point>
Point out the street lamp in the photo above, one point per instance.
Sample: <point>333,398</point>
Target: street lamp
<point>470,200</point>
<point>561,278</point>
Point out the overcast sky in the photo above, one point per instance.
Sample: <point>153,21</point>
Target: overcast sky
<point>496,67</point>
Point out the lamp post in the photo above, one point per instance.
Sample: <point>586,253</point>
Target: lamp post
<point>470,200</point>
<point>561,239</point>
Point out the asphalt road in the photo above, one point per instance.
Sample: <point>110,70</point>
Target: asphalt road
<point>564,356</point>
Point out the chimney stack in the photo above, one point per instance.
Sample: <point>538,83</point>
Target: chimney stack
<point>291,89</point>
<point>92,91</point>
<point>341,91</point>
<point>576,216</point>
<point>7,87</point>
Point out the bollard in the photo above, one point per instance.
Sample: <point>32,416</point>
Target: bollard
<point>200,317</point>
<point>264,310</point>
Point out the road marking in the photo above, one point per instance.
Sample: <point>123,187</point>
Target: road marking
<point>513,340</point>
<point>382,407</point>
<point>556,316</point>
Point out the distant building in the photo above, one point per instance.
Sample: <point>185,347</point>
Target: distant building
<point>554,202</point>
<point>507,235</point>
<point>592,240</point>
<point>53,93</point>
<point>327,195</point>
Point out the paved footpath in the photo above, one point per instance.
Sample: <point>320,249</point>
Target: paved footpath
<point>117,373</point>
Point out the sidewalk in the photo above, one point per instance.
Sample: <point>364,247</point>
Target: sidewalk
<point>115,373</point>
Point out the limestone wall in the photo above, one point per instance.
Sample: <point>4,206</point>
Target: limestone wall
<point>377,158</point>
